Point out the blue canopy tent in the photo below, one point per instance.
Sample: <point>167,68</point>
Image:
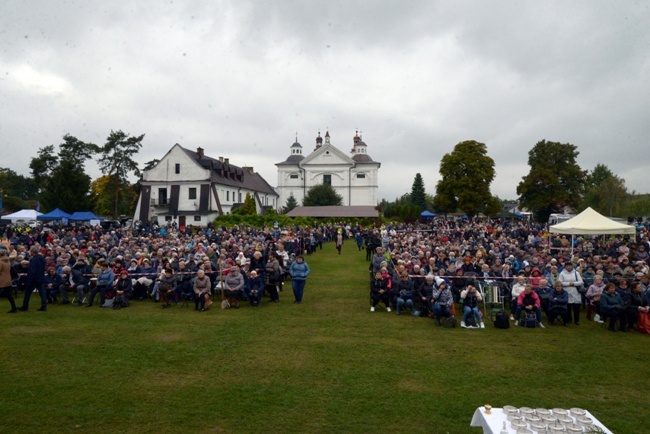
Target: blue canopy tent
<point>427,214</point>
<point>57,214</point>
<point>84,217</point>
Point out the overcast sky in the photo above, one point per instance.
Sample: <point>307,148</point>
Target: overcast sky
<point>241,78</point>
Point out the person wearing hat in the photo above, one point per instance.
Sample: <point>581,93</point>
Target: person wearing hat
<point>5,278</point>
<point>123,290</point>
<point>574,286</point>
<point>339,240</point>
<point>299,272</point>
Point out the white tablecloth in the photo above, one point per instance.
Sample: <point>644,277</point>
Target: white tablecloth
<point>493,423</point>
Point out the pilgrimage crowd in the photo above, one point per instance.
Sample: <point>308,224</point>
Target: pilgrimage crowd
<point>79,265</point>
<point>444,267</point>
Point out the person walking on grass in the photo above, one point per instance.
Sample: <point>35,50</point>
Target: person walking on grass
<point>339,240</point>
<point>34,281</point>
<point>299,271</point>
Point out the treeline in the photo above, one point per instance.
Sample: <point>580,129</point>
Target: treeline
<point>59,179</point>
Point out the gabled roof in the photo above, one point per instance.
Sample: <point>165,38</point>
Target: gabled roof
<point>328,147</point>
<point>228,174</point>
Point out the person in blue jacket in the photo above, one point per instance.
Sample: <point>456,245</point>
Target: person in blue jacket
<point>299,271</point>
<point>557,305</point>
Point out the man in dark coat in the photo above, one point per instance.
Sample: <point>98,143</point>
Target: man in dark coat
<point>35,277</point>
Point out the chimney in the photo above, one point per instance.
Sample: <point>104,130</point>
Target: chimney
<point>226,161</point>
<point>249,169</point>
<point>200,152</point>
<point>221,159</point>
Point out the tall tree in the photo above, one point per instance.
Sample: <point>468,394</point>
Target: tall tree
<point>418,195</point>
<point>61,178</point>
<point>322,195</point>
<point>116,161</point>
<point>291,203</point>
<point>467,173</point>
<point>555,180</point>
<point>605,192</point>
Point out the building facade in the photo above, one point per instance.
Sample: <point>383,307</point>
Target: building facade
<point>354,176</point>
<point>190,188</point>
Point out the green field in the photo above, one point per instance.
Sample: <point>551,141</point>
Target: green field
<point>328,365</point>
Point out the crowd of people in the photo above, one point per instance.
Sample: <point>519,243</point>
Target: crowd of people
<point>443,267</point>
<point>166,264</point>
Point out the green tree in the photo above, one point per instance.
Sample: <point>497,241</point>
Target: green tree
<point>598,175</point>
<point>467,173</point>
<point>418,195</point>
<point>291,204</point>
<point>19,186</point>
<point>248,208</point>
<point>613,196</point>
<point>116,161</point>
<point>61,178</point>
<point>639,206</point>
<point>322,195</point>
<point>606,192</point>
<point>555,180</point>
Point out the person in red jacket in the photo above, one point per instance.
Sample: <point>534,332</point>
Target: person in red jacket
<point>529,301</point>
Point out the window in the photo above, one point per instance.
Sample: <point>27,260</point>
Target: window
<point>327,179</point>
<point>197,218</point>
<point>168,218</point>
<point>178,168</point>
<point>192,194</point>
<point>162,196</point>
<point>293,176</point>
<point>239,197</point>
<point>361,175</point>
<point>227,195</point>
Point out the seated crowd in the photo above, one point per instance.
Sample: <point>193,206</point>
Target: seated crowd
<point>435,269</point>
<point>167,266</point>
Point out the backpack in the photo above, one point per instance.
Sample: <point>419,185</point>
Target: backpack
<point>501,320</point>
<point>530,320</point>
<point>450,322</point>
<point>471,321</point>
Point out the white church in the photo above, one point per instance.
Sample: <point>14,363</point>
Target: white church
<point>354,176</point>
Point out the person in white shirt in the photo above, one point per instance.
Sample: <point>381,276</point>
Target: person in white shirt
<point>573,285</point>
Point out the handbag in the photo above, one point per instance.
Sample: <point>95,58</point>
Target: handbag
<point>644,323</point>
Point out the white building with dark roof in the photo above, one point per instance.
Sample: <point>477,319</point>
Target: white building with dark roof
<point>354,176</point>
<point>190,188</point>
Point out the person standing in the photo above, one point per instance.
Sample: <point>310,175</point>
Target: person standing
<point>5,279</point>
<point>339,240</point>
<point>35,277</point>
<point>271,277</point>
<point>573,284</point>
<point>299,271</point>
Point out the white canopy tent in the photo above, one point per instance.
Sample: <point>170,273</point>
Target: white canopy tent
<point>590,222</point>
<point>23,214</point>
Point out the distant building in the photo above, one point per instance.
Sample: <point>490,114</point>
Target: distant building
<point>190,188</point>
<point>354,177</point>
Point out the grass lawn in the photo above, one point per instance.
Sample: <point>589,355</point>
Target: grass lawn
<point>328,365</point>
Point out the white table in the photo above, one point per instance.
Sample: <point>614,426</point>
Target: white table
<point>493,423</point>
